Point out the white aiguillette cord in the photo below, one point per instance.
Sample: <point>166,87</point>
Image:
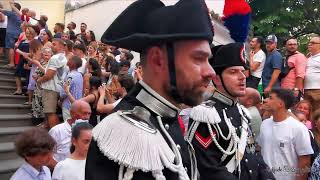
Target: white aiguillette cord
<point>158,175</point>
<point>183,175</point>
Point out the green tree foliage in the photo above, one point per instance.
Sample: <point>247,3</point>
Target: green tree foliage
<point>285,18</point>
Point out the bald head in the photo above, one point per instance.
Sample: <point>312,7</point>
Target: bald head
<point>80,110</point>
<point>251,98</point>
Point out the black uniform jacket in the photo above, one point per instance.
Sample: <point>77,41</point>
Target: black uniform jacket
<point>209,156</point>
<point>99,167</point>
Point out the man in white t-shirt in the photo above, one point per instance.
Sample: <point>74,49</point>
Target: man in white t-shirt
<point>50,81</point>
<point>312,77</point>
<point>256,61</point>
<point>61,133</point>
<point>284,141</point>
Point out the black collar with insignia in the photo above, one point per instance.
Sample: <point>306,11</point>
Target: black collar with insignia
<point>156,103</point>
<point>217,95</point>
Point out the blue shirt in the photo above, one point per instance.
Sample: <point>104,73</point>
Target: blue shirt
<point>76,87</point>
<point>14,22</point>
<point>273,61</point>
<point>28,172</point>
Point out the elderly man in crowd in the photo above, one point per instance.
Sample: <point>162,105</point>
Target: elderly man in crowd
<point>312,78</point>
<point>61,133</point>
<point>251,101</point>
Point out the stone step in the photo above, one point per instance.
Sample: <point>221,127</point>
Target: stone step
<point>3,62</point>
<point>7,75</point>
<point>6,69</point>
<point>7,89</point>
<point>7,151</point>
<point>8,167</point>
<point>6,109</point>
<point>13,99</point>
<point>8,134</point>
<point>15,120</point>
<point>7,82</point>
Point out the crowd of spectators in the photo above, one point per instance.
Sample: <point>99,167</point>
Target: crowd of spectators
<point>73,81</point>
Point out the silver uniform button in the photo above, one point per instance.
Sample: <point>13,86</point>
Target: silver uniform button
<point>246,160</point>
<point>250,171</point>
<point>186,169</point>
<point>166,126</point>
<point>179,147</point>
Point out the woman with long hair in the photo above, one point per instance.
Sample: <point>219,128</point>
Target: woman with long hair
<point>92,50</point>
<point>73,167</point>
<point>93,69</point>
<point>46,38</point>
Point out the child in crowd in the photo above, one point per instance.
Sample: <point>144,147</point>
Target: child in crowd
<point>73,168</point>
<point>35,146</point>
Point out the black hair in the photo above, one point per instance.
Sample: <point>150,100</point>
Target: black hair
<point>126,81</point>
<point>76,61</point>
<point>94,81</point>
<point>42,23</point>
<point>81,47</point>
<point>95,67</point>
<point>128,55</point>
<point>114,67</point>
<point>76,131</point>
<point>286,96</point>
<point>36,29</point>
<point>92,36</point>
<point>125,63</point>
<point>17,5</point>
<point>48,32</point>
<point>73,24</point>
<point>138,64</point>
<point>69,44</point>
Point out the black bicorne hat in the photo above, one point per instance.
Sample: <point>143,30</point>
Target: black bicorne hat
<point>150,22</point>
<point>233,54</point>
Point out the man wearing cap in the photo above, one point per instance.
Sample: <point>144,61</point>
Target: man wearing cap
<point>219,128</point>
<point>272,66</point>
<point>142,139</point>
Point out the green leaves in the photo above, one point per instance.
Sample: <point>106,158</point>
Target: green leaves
<point>285,18</point>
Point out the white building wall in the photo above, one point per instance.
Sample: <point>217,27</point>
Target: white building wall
<point>99,15</point>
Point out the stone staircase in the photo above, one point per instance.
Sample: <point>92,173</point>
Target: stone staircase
<point>14,118</point>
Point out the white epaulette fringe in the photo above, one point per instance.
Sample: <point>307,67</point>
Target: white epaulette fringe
<point>205,114</point>
<point>132,146</point>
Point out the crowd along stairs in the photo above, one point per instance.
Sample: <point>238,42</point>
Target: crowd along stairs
<point>15,117</point>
